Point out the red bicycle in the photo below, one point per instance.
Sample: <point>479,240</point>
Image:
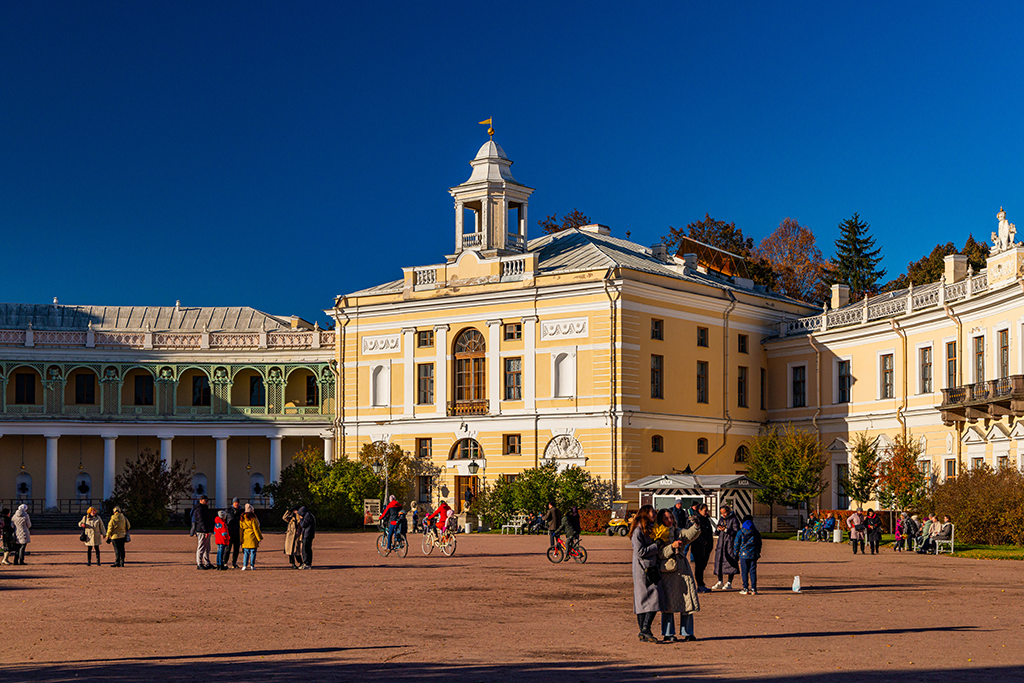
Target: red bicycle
<point>558,552</point>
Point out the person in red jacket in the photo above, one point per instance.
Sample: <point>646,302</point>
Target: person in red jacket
<point>441,513</point>
<point>389,517</point>
<point>222,537</point>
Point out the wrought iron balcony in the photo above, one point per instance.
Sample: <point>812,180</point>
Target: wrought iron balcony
<point>467,407</point>
<point>988,400</point>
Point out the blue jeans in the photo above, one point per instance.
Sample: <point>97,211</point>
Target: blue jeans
<point>222,554</point>
<point>668,625</point>
<point>748,569</point>
<point>391,533</point>
<point>248,557</point>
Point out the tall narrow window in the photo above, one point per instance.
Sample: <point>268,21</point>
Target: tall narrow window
<point>979,359</point>
<point>24,388</point>
<point>842,500</point>
<point>926,370</point>
<point>702,446</point>
<point>800,386</point>
<point>741,387</point>
<point>741,343</point>
<point>200,390</point>
<point>888,377</point>
<point>951,469</point>
<point>702,336</point>
<point>702,381</point>
<point>312,391</point>
<point>657,444</point>
<point>425,484</point>
<point>470,370</point>
<point>425,383</point>
<point>85,388</point>
<point>144,390</point>
<point>657,376</point>
<point>424,447</point>
<point>951,365</point>
<point>763,388</point>
<point>657,328</point>
<point>257,394</point>
<point>844,381</point>
<point>513,379</point>
<point>1004,353</point>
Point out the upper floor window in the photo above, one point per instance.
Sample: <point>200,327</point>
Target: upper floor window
<point>741,387</point>
<point>85,388</point>
<point>657,328</point>
<point>424,447</point>
<point>470,366</point>
<point>312,391</point>
<point>513,379</point>
<point>926,370</point>
<point>200,390</point>
<point>702,336</point>
<point>741,343</point>
<point>887,377</point>
<point>425,383</point>
<point>702,381</point>
<point>257,392</point>
<point>24,388</point>
<point>513,331</point>
<point>799,386</point>
<point>742,454</point>
<point>425,339</point>
<point>951,380</point>
<point>513,444</point>
<point>657,376</point>
<point>702,446</point>
<point>144,390</point>
<point>657,444</point>
<point>979,359</point>
<point>1004,353</point>
<point>844,381</point>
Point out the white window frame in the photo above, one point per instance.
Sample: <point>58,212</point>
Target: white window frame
<point>1000,327</point>
<point>835,379</point>
<point>945,360</point>
<point>917,367</point>
<point>974,366</point>
<point>879,375</point>
<point>789,384</point>
<point>945,467</point>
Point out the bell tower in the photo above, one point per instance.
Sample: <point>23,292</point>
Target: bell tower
<point>490,207</point>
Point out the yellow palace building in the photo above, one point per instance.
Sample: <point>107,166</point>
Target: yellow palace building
<point>578,347</point>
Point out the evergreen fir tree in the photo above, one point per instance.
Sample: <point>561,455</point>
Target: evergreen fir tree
<point>856,259</point>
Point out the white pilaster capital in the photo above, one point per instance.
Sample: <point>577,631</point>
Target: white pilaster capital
<point>51,436</point>
<point>438,328</point>
<point>530,319</point>
<point>108,437</point>
<point>408,330</point>
<point>492,323</point>
<point>165,437</point>
<point>275,437</point>
<point>221,438</point>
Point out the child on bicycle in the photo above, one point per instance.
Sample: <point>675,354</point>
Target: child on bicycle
<point>570,526</point>
<point>442,513</point>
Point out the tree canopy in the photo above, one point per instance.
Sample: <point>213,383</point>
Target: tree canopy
<point>862,481</point>
<point>788,464</point>
<point>901,483</point>
<point>791,252</point>
<point>573,219</point>
<point>931,267</point>
<point>147,489</point>
<point>856,259</point>
<point>728,237</point>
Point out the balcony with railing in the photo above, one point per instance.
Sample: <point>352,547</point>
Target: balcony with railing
<point>478,407</point>
<point>515,242</point>
<point>987,400</point>
<point>473,240</point>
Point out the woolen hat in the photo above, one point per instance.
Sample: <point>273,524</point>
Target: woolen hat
<point>249,508</point>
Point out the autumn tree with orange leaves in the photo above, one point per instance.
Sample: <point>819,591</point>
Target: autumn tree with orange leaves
<point>901,483</point>
<point>793,255</point>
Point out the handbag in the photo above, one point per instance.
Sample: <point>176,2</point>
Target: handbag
<point>127,537</point>
<point>667,560</point>
<point>84,537</point>
<point>859,527</point>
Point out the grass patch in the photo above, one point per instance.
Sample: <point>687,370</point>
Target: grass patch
<point>990,552</point>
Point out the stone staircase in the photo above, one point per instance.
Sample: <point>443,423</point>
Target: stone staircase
<point>54,521</point>
<point>783,524</point>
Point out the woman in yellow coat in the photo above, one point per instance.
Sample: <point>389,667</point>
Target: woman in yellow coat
<point>117,534</point>
<point>251,537</point>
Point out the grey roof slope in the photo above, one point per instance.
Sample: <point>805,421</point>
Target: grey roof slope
<point>185,318</point>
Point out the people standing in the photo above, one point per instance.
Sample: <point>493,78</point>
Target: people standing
<point>202,529</point>
<point>679,513</point>
<point>251,537</point>
<point>234,514</point>
<point>748,550</point>
<point>677,590</point>
<point>222,539</point>
<point>725,555</point>
<point>22,536</point>
<point>910,529</point>
<point>307,524</point>
<point>553,519</point>
<point>700,548</point>
<point>117,535</point>
<point>646,601</point>
<point>873,530</point>
<point>855,522</point>
<point>7,542</point>
<point>92,528</point>
<point>293,539</point>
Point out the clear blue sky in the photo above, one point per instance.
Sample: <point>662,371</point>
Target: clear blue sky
<point>276,154</point>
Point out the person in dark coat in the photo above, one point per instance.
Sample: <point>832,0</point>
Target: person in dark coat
<point>202,529</point>
<point>725,556</point>
<point>680,514</point>
<point>873,527</point>
<point>553,518</point>
<point>234,514</point>
<point>307,525</point>
<point>747,547</point>
<point>570,526</point>
<point>7,542</point>
<point>700,549</point>
<point>646,600</point>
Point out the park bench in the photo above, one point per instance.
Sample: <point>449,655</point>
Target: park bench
<point>940,544</point>
<point>515,524</point>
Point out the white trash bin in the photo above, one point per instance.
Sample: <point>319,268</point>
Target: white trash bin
<point>837,535</point>
<point>469,527</point>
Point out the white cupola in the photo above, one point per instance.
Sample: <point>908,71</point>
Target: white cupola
<point>490,207</point>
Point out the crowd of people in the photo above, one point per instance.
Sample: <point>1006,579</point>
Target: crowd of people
<point>910,532</point>
<point>237,528</point>
<point>865,530</point>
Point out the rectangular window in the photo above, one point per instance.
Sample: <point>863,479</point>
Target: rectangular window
<point>741,343</point>
<point>1004,353</point>
<point>24,388</point>
<point>312,391</point>
<point>425,484</point>
<point>951,364</point>
<point>800,386</point>
<point>888,377</point>
<point>513,379</point>
<point>844,381</point>
<point>1003,462</point>
<point>976,463</point>
<point>979,359</point>
<point>424,448</point>
<point>200,390</point>
<point>513,331</point>
<point>764,387</point>
<point>657,329</point>
<point>513,444</point>
<point>85,389</point>
<point>926,370</point>
<point>425,384</point>
<point>702,336</point>
<point>741,388</point>
<point>257,393</point>
<point>425,339</point>
<point>657,376</point>
<point>510,478</point>
<point>951,469</point>
<point>144,390</point>
<point>702,381</point>
<point>842,500</point>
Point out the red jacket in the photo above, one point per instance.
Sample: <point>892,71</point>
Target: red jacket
<point>441,513</point>
<point>220,532</point>
<point>392,504</point>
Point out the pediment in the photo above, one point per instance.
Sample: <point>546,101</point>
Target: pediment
<point>1018,431</point>
<point>997,433</point>
<point>838,445</point>
<point>972,435</point>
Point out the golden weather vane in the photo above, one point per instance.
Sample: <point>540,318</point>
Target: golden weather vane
<point>490,127</point>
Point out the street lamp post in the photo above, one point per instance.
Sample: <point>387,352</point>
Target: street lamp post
<point>386,467</point>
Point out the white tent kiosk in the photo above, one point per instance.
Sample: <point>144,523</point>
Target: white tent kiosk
<point>716,490</point>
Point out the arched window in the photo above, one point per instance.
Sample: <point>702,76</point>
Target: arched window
<point>256,484</point>
<point>199,487</point>
<point>23,486</point>
<point>741,454</point>
<point>657,444</point>
<point>564,375</point>
<point>466,449</point>
<point>702,445</point>
<point>470,371</point>
<point>83,486</point>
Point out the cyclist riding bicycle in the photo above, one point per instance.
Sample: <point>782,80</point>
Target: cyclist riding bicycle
<point>570,526</point>
<point>390,518</point>
<point>442,513</point>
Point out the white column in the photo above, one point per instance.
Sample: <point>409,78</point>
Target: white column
<point>109,464</point>
<point>275,457</point>
<point>441,369</point>
<point>165,450</point>
<point>460,212</point>
<point>409,371</point>
<point>494,366</point>
<point>530,362</point>
<point>222,471</point>
<point>328,449</point>
<point>51,470</point>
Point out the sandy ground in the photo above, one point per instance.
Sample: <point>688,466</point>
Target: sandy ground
<point>496,611</point>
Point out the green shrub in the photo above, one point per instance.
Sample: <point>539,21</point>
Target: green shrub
<point>147,489</point>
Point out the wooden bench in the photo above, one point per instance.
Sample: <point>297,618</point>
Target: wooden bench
<point>515,524</point>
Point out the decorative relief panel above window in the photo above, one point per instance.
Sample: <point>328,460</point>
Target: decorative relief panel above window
<point>563,329</point>
<point>385,343</point>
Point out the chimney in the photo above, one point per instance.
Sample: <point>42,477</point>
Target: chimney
<point>955,268</point>
<point>177,305</point>
<point>596,228</point>
<point>660,251</point>
<point>690,261</point>
<point>840,296</point>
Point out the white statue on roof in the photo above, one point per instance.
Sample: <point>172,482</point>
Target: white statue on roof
<point>1003,238</point>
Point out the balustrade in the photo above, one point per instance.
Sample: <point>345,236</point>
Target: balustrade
<point>467,407</point>
<point>473,239</point>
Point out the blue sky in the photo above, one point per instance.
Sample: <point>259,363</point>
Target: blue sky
<point>277,154</point>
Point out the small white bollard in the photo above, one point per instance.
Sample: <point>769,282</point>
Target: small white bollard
<point>469,527</point>
<point>837,535</point>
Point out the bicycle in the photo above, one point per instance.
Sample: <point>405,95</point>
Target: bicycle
<point>444,540</point>
<point>557,553</point>
<point>399,545</point>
